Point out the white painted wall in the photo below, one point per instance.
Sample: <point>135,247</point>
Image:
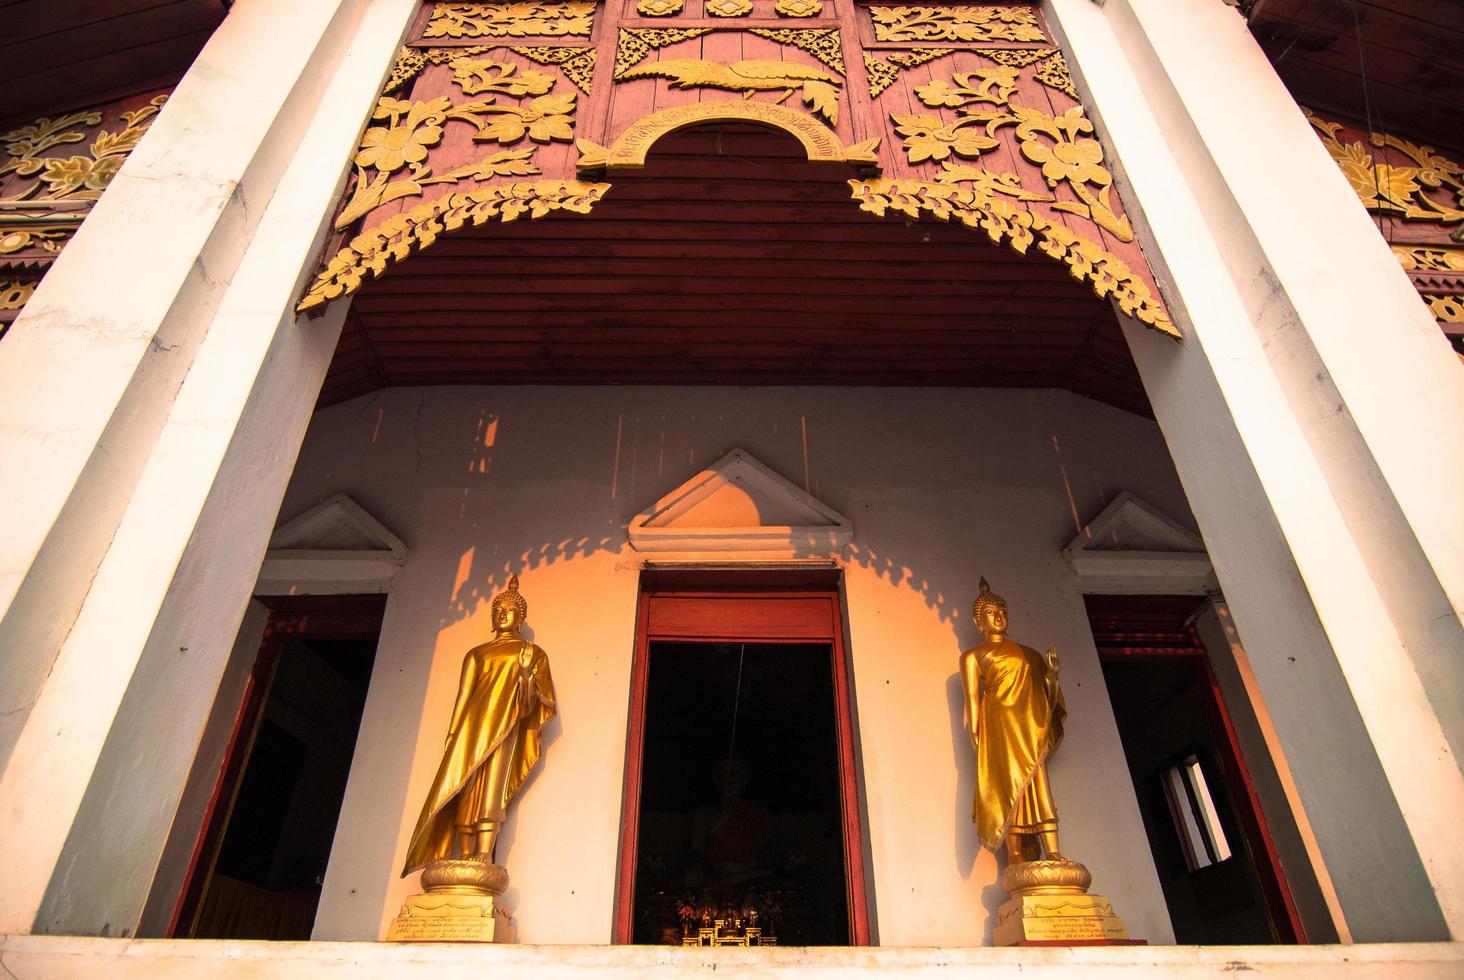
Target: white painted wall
<point>942,485</point>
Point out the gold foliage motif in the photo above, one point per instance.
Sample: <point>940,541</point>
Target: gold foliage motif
<point>634,44</point>
<point>1430,258</point>
<point>400,235</point>
<point>979,208</point>
<point>820,90</point>
<point>45,210</point>
<point>1058,144</point>
<point>1392,189</point>
<point>1446,309</point>
<point>411,128</point>
<point>1054,73</point>
<point>728,8</point>
<point>578,64</point>
<point>955,24</point>
<point>13,295</point>
<point>798,8</point>
<point>1016,57</point>
<point>575,18</point>
<point>822,44</point>
<point>659,8</point>
<point>80,177</point>
<point>883,72</point>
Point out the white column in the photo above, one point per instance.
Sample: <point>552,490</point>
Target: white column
<point>1302,411</point>
<point>189,406</point>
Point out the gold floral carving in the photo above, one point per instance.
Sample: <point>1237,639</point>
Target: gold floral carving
<point>370,252</point>
<point>978,208</point>
<point>798,8</point>
<point>456,20</point>
<point>1392,189</point>
<point>1058,144</point>
<point>822,44</point>
<point>13,295</point>
<point>820,144</point>
<point>1446,309</point>
<point>728,8</point>
<point>955,24</point>
<point>634,44</point>
<point>883,72</point>
<point>1016,57</point>
<point>1053,72</point>
<point>411,128</point>
<point>577,63</point>
<point>44,212</point>
<point>659,8</point>
<point>1430,258</point>
<point>820,90</point>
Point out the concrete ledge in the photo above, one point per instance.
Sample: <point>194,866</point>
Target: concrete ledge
<point>45,957</point>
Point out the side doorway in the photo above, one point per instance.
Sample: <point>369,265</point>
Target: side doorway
<point>258,864</point>
<point>742,821</point>
<point>1217,863</point>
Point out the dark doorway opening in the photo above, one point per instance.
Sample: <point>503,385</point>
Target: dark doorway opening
<point>742,822</point>
<point>260,862</point>
<point>1222,882</point>
<point>740,807</point>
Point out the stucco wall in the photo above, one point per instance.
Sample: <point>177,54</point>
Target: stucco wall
<point>942,486</point>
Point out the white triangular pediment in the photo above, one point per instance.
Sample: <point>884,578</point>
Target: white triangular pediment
<point>334,546</point>
<point>739,505</point>
<point>1133,547</point>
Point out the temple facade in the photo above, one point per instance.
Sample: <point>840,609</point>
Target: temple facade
<point>737,344</point>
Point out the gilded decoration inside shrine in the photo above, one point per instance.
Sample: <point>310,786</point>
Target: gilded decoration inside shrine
<point>1416,193</point>
<point>962,113</point>
<point>52,172</point>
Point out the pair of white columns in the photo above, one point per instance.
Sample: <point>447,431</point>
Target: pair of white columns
<point>154,394</point>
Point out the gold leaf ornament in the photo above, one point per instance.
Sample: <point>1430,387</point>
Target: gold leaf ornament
<point>990,85</point>
<point>469,20</point>
<point>660,8</point>
<point>1019,228</point>
<point>544,120</point>
<point>932,138</point>
<point>819,88</point>
<point>798,8</point>
<point>955,23</point>
<point>728,8</point>
<point>475,77</point>
<point>370,252</point>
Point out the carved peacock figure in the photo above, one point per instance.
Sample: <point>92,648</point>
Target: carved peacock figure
<point>819,88</point>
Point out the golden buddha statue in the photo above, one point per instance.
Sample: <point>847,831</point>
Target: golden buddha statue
<point>1014,712</point>
<point>504,699</point>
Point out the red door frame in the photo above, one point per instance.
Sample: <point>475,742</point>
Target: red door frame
<point>730,607</point>
<point>333,617</point>
<point>1147,636</point>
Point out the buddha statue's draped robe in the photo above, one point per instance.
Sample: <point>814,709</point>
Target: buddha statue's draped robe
<point>1018,723</point>
<point>507,696</point>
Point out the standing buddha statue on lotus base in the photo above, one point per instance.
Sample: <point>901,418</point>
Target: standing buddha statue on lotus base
<point>1014,713</point>
<point>504,699</point>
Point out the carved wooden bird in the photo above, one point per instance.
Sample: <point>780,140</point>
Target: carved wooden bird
<point>819,88</point>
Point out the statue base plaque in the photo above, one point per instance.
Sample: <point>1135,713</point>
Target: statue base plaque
<point>1050,904</point>
<point>461,906</point>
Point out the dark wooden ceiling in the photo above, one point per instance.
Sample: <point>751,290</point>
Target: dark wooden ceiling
<point>731,260</point>
<point>1411,53</point>
<point>61,55</point>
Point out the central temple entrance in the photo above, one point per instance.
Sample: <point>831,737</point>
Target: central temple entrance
<point>742,818</point>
